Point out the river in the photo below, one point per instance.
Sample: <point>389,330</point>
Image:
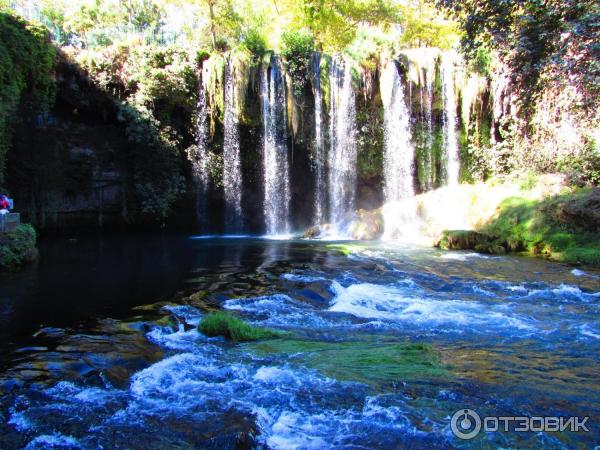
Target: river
<point>381,344</point>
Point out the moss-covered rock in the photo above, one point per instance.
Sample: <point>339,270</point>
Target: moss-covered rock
<point>232,328</point>
<point>462,240</point>
<point>368,225</point>
<point>562,227</point>
<point>18,246</point>
<point>366,362</point>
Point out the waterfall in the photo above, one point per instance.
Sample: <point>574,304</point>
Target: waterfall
<point>275,150</point>
<point>200,159</point>
<point>450,141</point>
<point>429,81</point>
<point>342,154</point>
<point>232,170</point>
<point>399,152</point>
<point>319,156</point>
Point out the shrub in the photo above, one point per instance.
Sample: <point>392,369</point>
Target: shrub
<point>583,169</point>
<point>18,246</point>
<point>254,42</point>
<point>297,49</point>
<point>230,327</point>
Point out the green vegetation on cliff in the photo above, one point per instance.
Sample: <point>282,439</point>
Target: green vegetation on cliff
<point>17,247</point>
<point>26,82</point>
<point>564,227</point>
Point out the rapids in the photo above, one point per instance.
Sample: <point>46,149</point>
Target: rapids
<point>382,343</point>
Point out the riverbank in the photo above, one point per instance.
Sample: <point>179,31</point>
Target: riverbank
<point>562,228</point>
<point>535,215</point>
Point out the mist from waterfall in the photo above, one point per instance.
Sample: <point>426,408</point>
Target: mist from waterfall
<point>450,119</point>
<point>319,149</point>
<point>275,150</point>
<point>399,153</point>
<point>232,170</point>
<point>343,152</point>
<point>200,157</point>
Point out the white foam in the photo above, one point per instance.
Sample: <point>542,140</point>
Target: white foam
<point>186,313</point>
<point>455,256</point>
<point>400,304</point>
<point>301,278</point>
<point>280,310</point>
<point>53,440</point>
<point>180,340</point>
<point>20,422</point>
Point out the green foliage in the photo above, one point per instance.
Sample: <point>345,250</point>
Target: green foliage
<point>18,246</point>
<point>297,48</point>
<point>230,327</point>
<point>583,169</point>
<point>561,228</point>
<point>334,23</point>
<point>482,61</point>
<point>26,64</point>
<point>255,42</point>
<point>144,14</point>
<point>424,26</point>
<point>155,89</point>
<point>543,42</point>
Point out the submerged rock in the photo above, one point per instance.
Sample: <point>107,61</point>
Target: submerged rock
<point>462,240</point>
<point>368,225</point>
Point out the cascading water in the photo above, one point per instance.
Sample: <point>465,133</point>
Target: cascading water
<point>319,155</point>
<point>399,151</point>
<point>343,152</point>
<point>200,158</point>
<point>450,141</point>
<point>232,171</point>
<point>275,150</point>
<point>429,81</point>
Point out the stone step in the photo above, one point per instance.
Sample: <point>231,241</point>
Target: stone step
<point>9,222</point>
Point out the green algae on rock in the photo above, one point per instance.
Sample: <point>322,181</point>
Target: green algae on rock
<point>232,328</point>
<point>366,362</point>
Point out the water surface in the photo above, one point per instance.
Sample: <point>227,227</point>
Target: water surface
<point>382,344</point>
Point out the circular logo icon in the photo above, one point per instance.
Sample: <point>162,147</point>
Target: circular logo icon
<point>465,424</point>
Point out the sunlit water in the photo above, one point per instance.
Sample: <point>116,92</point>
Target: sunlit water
<point>109,355</point>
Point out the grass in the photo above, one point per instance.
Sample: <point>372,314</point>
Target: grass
<point>367,362</point>
<point>226,325</point>
<point>563,228</point>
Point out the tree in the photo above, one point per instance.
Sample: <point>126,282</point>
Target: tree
<point>144,14</point>
<point>539,40</point>
<point>335,22</point>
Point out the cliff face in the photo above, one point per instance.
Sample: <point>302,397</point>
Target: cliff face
<point>121,145</point>
<point>81,164</point>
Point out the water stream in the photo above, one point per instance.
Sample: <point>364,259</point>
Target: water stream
<point>399,152</point>
<point>275,151</point>
<point>450,119</point>
<point>382,344</point>
<point>319,151</point>
<point>200,159</point>
<point>232,167</point>
<point>342,152</point>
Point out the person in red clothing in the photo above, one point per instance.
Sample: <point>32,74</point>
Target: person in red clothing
<point>4,204</point>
